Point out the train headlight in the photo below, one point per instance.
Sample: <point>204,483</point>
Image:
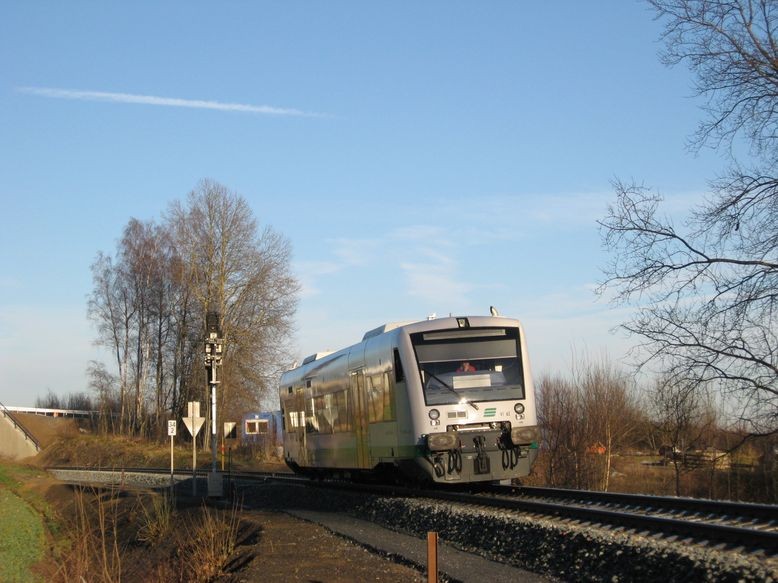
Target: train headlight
<point>442,441</point>
<point>434,414</point>
<point>519,408</point>
<point>524,435</point>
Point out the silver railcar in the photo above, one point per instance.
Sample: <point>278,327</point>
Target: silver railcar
<point>448,400</point>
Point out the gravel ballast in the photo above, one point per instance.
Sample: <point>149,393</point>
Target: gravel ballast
<point>564,549</point>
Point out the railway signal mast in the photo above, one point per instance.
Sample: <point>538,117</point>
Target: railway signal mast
<point>214,349</point>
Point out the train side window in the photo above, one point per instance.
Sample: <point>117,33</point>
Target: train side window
<point>293,420</point>
<point>380,398</point>
<point>388,398</point>
<point>340,412</point>
<point>323,406</point>
<point>375,398</point>
<point>399,375</point>
<point>311,422</point>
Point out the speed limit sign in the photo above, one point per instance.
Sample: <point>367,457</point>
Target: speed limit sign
<point>171,427</point>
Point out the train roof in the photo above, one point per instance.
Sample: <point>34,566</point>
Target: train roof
<point>369,334</point>
<point>385,328</point>
<point>388,327</point>
<point>317,356</point>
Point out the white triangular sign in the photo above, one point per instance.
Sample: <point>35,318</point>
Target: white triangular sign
<point>193,424</point>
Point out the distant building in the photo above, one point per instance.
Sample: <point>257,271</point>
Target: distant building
<point>263,431</point>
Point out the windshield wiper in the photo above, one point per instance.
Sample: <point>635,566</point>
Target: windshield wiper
<point>452,389</point>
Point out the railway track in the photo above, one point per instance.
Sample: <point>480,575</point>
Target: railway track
<point>752,527</point>
<point>743,526</point>
<point>746,526</point>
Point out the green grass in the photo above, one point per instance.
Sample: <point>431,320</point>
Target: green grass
<point>12,476</point>
<point>21,537</point>
<point>6,479</point>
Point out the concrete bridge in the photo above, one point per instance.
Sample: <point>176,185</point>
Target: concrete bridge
<point>24,431</point>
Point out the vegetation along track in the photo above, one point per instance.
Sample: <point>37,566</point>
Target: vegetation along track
<point>753,527</point>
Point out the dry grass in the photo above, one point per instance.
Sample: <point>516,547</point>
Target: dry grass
<point>114,451</point>
<point>212,540</point>
<point>110,451</point>
<point>94,553</point>
<point>117,535</point>
<point>157,519</point>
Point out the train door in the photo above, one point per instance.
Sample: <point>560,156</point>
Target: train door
<point>299,430</point>
<point>360,416</point>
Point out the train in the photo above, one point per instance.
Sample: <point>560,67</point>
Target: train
<point>443,400</point>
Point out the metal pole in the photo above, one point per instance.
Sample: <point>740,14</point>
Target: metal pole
<point>214,350</point>
<point>194,463</point>
<point>213,419</point>
<point>171,466</point>
<point>432,557</point>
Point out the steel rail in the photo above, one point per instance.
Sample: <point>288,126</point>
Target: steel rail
<point>699,530</point>
<point>761,512</point>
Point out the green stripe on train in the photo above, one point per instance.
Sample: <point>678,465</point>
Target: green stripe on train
<point>490,412</point>
<point>325,454</point>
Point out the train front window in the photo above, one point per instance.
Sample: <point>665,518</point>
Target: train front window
<point>469,365</point>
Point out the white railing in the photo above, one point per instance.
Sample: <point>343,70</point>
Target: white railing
<point>51,412</point>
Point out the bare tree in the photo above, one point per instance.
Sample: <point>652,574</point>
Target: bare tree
<point>149,304</point>
<point>139,254</point>
<point>103,383</point>
<point>111,308</point>
<point>731,47</point>
<point>609,408</point>
<point>129,306</point>
<point>245,274</point>
<point>585,421</point>
<point>185,340</point>
<point>679,411</point>
<point>706,293</point>
<point>50,401</point>
<point>559,415</point>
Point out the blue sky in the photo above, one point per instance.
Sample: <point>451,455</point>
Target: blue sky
<point>436,157</point>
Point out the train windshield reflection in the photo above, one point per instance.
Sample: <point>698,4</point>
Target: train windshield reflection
<point>469,365</point>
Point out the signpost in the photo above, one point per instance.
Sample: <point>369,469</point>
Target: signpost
<point>229,433</point>
<point>171,431</point>
<point>193,423</point>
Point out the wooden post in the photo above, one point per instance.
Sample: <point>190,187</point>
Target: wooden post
<point>432,557</point>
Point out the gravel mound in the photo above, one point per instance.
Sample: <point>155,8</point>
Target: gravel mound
<point>128,479</point>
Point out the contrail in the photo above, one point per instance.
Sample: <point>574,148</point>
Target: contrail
<point>164,101</point>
